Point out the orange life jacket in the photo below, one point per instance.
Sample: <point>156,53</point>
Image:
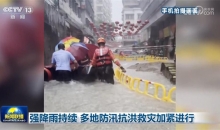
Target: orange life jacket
<point>103,57</point>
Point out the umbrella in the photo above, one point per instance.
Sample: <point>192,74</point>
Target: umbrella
<point>67,42</point>
<point>78,52</point>
<point>92,49</point>
<point>80,45</point>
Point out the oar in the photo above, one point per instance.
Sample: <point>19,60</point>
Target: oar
<point>90,67</point>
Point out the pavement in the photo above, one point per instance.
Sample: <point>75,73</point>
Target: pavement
<point>101,97</point>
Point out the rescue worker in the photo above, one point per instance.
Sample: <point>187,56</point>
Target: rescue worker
<point>102,59</point>
<point>121,54</point>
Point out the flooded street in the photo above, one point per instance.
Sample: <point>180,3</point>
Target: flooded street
<point>101,97</point>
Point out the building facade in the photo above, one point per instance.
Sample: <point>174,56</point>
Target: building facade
<point>64,18</point>
<point>161,28</point>
<point>79,13</point>
<point>131,12</point>
<point>102,10</point>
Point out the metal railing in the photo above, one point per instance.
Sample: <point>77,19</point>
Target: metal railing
<point>160,92</point>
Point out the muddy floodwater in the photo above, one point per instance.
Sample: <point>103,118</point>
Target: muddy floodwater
<point>101,97</point>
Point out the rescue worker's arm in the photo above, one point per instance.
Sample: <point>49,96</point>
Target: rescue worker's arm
<point>93,61</point>
<point>116,61</point>
<point>53,61</point>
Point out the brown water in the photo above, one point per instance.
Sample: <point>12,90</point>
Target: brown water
<point>101,97</point>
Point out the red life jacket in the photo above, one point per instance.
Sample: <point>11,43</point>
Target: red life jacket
<point>103,57</point>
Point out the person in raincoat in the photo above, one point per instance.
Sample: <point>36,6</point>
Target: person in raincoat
<point>121,54</point>
<point>102,59</point>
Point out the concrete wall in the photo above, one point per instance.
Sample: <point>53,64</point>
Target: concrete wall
<point>134,11</point>
<point>144,4</point>
<point>65,7</point>
<point>155,16</point>
<point>50,41</point>
<point>153,13</point>
<point>78,22</point>
<point>62,26</point>
<point>144,35</point>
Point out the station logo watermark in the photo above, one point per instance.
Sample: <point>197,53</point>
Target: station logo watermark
<point>198,10</point>
<point>205,11</point>
<point>15,11</point>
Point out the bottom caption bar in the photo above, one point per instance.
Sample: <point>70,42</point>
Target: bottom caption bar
<point>141,117</point>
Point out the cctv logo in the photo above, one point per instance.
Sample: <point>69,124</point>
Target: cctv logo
<point>12,9</point>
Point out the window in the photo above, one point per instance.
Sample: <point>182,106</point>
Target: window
<point>99,16</point>
<point>99,8</point>
<point>129,16</point>
<point>139,16</point>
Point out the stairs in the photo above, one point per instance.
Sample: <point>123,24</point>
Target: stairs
<point>169,71</point>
